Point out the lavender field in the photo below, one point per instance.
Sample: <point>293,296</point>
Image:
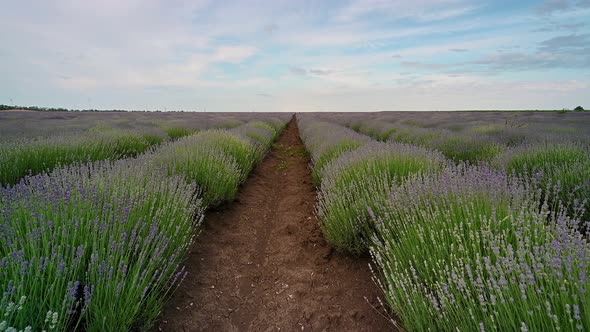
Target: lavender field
<point>473,221</point>
<point>97,211</point>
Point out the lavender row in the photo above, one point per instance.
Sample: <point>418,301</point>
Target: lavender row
<point>94,246</point>
<point>355,172</point>
<point>470,249</point>
<point>115,136</point>
<point>30,125</point>
<point>466,247</point>
<point>98,246</point>
<point>220,160</point>
<point>510,128</point>
<point>514,145</point>
<point>326,141</point>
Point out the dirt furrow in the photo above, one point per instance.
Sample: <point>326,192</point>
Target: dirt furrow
<point>261,263</point>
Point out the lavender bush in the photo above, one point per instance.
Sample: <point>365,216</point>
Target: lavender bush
<point>97,245</point>
<point>470,250</point>
<point>261,133</point>
<point>217,160</point>
<point>18,159</point>
<point>359,179</point>
<point>564,165</point>
<point>376,128</point>
<point>327,141</point>
<point>457,147</point>
<point>467,148</point>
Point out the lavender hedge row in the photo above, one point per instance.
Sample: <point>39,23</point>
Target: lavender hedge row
<point>459,147</point>
<point>103,141</point>
<point>469,249</point>
<point>564,168</point>
<point>356,176</point>
<point>563,161</point>
<point>358,180</point>
<point>462,247</point>
<point>220,160</point>
<point>20,158</point>
<point>98,246</point>
<point>326,141</point>
<point>94,246</point>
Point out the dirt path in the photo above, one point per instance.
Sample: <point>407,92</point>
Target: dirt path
<point>261,264</point>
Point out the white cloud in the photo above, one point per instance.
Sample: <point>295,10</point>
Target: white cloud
<point>383,53</point>
<point>233,54</point>
<point>421,10</point>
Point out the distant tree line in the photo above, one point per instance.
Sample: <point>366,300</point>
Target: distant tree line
<point>51,109</point>
<point>54,109</point>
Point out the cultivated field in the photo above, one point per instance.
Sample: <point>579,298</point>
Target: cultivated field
<point>471,221</point>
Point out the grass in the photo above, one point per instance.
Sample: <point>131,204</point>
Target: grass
<point>283,165</point>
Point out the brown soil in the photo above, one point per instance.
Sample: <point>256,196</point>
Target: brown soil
<point>261,264</point>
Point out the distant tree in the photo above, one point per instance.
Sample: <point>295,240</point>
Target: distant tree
<point>579,109</point>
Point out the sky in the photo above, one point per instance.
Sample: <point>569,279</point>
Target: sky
<point>296,56</point>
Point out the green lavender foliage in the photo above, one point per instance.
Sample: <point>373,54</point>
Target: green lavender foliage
<point>24,157</point>
<point>358,180</point>
<point>326,142</point>
<point>96,245</point>
<point>471,250</point>
<point>564,165</point>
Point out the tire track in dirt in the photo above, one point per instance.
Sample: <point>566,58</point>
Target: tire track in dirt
<point>261,263</point>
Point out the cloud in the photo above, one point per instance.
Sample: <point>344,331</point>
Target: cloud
<point>232,54</point>
<point>549,7</point>
<point>270,28</point>
<point>552,26</point>
<point>321,72</point>
<point>561,43</point>
<point>297,70</point>
<point>420,10</point>
<point>194,52</point>
<point>311,71</point>
<point>560,52</point>
<point>426,66</point>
